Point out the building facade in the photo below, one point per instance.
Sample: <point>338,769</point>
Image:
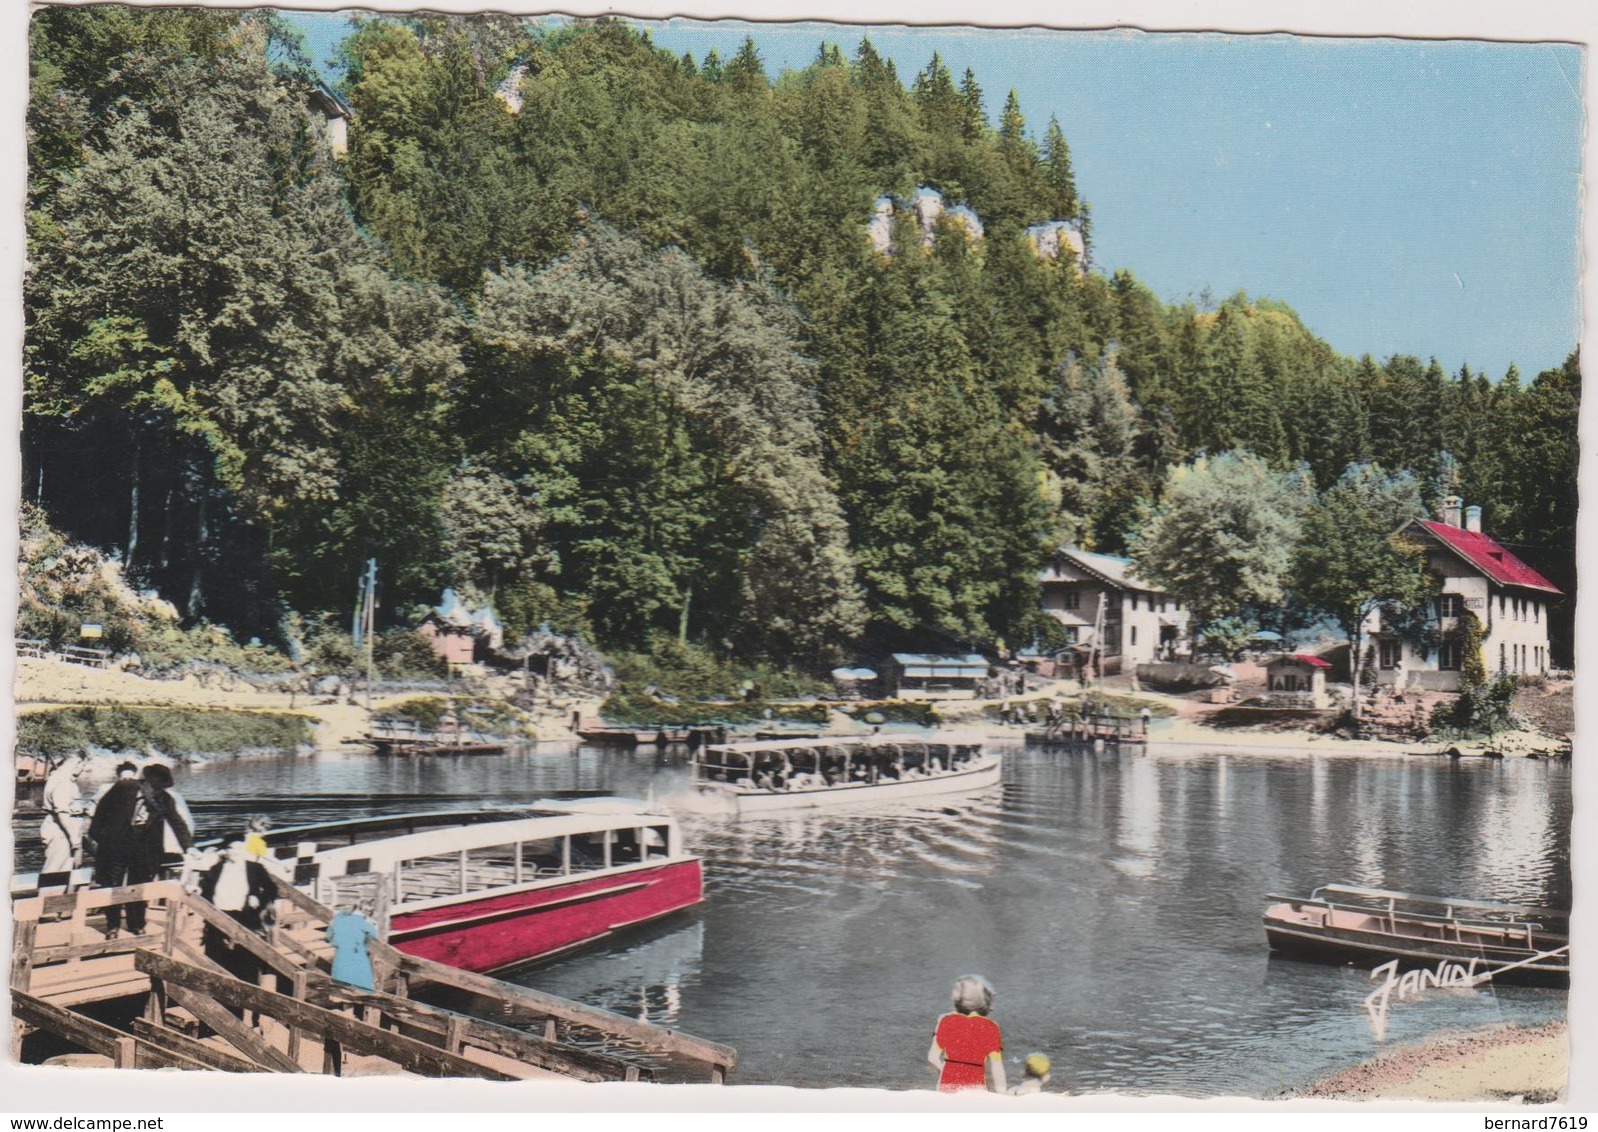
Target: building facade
<point>1478,577</point>
<point>1103,605</point>
<point>461,636</point>
<point>917,676</point>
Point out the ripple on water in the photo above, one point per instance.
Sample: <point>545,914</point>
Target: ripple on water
<point>1113,901</point>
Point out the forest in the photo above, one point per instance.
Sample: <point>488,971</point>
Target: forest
<point>600,334</point>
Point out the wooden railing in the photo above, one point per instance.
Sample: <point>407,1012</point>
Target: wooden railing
<point>308,1004</point>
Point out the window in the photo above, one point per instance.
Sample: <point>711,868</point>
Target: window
<point>1448,656</point>
<point>1392,652</point>
<point>1448,605</point>
<point>625,847</point>
<point>1503,658</point>
<point>490,867</point>
<point>1071,599</point>
<point>657,841</point>
<point>545,857</point>
<point>1162,603</point>
<point>1536,611</point>
<point>1134,636</point>
<point>1070,634</point>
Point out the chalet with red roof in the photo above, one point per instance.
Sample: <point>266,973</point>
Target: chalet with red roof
<point>1478,576</point>
<point>1298,681</point>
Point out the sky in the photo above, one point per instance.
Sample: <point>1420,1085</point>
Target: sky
<point>1415,197</point>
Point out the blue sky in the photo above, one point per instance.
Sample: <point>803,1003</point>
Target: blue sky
<point>1405,196</point>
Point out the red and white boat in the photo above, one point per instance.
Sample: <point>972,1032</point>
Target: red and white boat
<point>484,891</point>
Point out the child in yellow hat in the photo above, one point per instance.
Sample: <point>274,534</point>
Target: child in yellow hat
<point>1037,1076</point>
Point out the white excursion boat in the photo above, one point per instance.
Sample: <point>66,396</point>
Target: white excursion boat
<point>797,774</point>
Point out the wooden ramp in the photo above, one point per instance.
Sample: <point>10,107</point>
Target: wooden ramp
<point>156,1000</point>
<point>1112,731</point>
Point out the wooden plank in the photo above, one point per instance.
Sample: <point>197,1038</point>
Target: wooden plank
<point>22,954</point>
<point>96,1037</point>
<point>295,947</point>
<point>647,1034</point>
<point>304,903</point>
<point>241,936</point>
<point>408,1053</point>
<point>452,1030</point>
<point>201,1053</point>
<point>99,947</point>
<point>233,1031</point>
<point>91,899</point>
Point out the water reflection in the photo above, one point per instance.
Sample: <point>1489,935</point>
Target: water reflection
<point>1114,900</point>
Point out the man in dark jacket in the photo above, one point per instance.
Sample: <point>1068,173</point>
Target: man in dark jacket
<point>244,890</point>
<point>126,831</point>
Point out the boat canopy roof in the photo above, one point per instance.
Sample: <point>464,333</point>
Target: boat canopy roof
<point>1436,901</point>
<point>452,839</point>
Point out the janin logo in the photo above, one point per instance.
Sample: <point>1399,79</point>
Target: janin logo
<point>1410,984</point>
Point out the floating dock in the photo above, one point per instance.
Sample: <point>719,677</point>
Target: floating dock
<point>155,1000</point>
<point>1112,732</point>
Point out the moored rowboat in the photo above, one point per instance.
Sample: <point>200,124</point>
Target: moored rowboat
<point>1349,924</point>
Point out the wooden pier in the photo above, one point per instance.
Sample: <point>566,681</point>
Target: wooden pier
<point>155,1000</point>
<point>1112,731</point>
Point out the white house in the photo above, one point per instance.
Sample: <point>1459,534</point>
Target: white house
<point>1477,575</point>
<point>1083,591</point>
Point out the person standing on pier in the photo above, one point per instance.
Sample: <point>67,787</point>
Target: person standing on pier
<point>170,814</point>
<point>62,828</point>
<point>244,890</point>
<point>125,853</point>
<point>348,933</point>
<point>967,1048</point>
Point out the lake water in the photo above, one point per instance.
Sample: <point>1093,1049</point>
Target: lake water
<point>1112,899</point>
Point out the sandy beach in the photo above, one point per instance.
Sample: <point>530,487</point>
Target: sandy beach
<point>1510,1064</point>
<point>43,684</point>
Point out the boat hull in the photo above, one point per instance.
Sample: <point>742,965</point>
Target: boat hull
<point>1344,945</point>
<point>495,930</point>
<point>406,747</point>
<point>987,773</point>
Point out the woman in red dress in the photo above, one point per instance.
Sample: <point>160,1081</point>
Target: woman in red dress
<point>966,1049</point>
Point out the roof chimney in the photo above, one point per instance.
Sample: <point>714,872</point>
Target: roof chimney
<point>1473,519</point>
<point>1449,512</point>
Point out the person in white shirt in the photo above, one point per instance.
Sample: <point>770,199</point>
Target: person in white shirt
<point>63,825</point>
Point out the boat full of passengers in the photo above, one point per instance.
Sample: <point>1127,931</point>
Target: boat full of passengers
<point>810,773</point>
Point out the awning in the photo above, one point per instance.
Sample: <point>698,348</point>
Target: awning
<point>853,674</point>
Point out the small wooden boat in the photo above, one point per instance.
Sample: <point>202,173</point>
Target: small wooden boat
<point>486,890</point>
<point>401,747</point>
<point>798,774</point>
<point>1348,924</point>
<point>407,737</point>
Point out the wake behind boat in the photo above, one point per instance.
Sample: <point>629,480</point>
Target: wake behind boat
<point>809,773</point>
<point>1347,924</point>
